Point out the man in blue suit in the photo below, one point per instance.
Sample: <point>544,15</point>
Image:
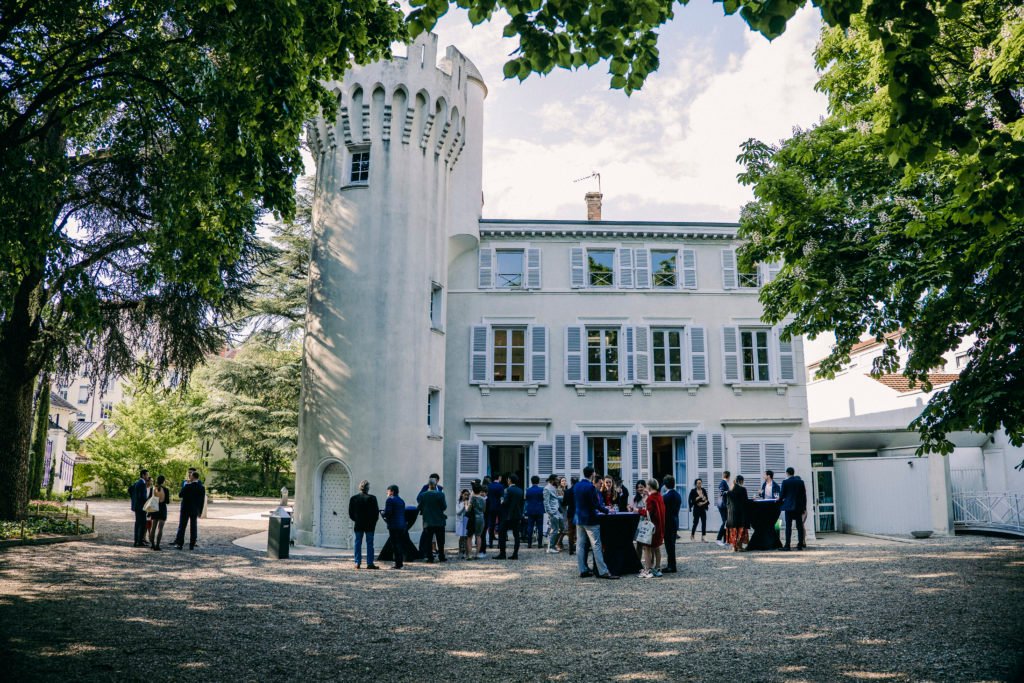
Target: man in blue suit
<point>492,509</point>
<point>394,516</point>
<point>794,504</point>
<point>673,503</point>
<point>138,498</point>
<point>588,507</point>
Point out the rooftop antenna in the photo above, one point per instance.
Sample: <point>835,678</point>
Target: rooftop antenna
<point>593,174</point>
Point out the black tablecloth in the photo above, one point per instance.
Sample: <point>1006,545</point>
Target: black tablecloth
<point>763,515</point>
<point>409,550</point>
<point>617,533</point>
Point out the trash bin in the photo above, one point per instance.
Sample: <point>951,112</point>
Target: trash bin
<point>279,535</point>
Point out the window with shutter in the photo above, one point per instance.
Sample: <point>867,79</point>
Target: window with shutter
<point>560,455</point>
<point>642,268</point>
<point>663,268</point>
<point>775,459</point>
<point>729,268</point>
<point>730,355</point>
<point>603,358</point>
<point>508,264</point>
<point>698,346</point>
<point>479,343</point>
<point>689,258</point>
<point>485,269</point>
<point>624,265</point>
<point>755,365</point>
<point>574,335</point>
<point>786,363</point>
<point>538,340</point>
<point>509,354</point>
<point>668,354</point>
<point>545,460</point>
<point>533,280</point>
<point>469,464</point>
<point>578,267</point>
<point>601,268</point>
<point>642,354</point>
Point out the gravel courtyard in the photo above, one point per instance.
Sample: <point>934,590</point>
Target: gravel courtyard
<point>951,609</point>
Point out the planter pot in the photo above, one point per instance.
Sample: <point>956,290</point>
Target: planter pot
<point>921,534</point>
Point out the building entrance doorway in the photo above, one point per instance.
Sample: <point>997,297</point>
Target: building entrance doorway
<point>604,454</point>
<point>508,459</point>
<point>669,457</point>
<point>824,493</point>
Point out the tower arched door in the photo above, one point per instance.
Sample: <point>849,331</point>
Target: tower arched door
<point>335,526</point>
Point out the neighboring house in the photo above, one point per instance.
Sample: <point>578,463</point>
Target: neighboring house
<point>867,475</point>
<point>59,463</point>
<point>94,401</point>
<point>438,341</point>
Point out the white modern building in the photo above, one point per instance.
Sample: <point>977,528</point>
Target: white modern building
<point>867,475</point>
<point>440,341</point>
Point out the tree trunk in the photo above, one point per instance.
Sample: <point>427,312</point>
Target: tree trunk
<point>16,435</point>
<point>42,425</point>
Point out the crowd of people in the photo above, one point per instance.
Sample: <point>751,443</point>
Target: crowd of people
<point>490,510</point>
<point>150,499</point>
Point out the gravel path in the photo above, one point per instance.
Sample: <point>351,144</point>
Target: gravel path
<point>951,609</point>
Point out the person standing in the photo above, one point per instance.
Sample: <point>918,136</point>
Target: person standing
<point>511,518</point>
<point>535,513</point>
<point>462,514</point>
<point>794,504</point>
<point>364,511</point>
<point>193,497</point>
<point>569,501</point>
<point>656,513</point>
<point>673,504</point>
<point>394,517</point>
<point>553,509</point>
<point>769,489</point>
<point>738,519</point>
<point>138,495</point>
<point>588,506</point>
<point>698,504</point>
<point>159,518</point>
<point>432,504</point>
<point>478,503</point>
<point>495,491</point>
<point>723,492</point>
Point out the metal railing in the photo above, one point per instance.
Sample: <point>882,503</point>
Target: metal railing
<point>749,280</point>
<point>986,510</point>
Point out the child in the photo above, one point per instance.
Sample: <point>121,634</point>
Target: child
<point>461,523</point>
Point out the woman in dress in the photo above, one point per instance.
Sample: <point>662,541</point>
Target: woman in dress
<point>698,504</point>
<point>462,512</point>
<point>563,508</point>
<point>608,492</point>
<point>158,518</point>
<point>656,513</point>
<point>736,517</point>
<point>637,503</point>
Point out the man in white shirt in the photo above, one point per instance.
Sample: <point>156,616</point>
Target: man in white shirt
<point>769,489</point>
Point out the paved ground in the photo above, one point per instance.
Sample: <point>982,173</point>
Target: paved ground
<point>944,610</point>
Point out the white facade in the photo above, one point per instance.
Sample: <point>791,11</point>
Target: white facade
<point>438,341</point>
<point>859,428</point>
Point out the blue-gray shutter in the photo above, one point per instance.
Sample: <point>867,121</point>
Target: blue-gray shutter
<point>642,268</point>
<point>698,348</point>
<point>689,267</point>
<point>787,366</point>
<point>578,267</point>
<point>533,280</point>
<point>624,266</point>
<point>574,340</point>
<point>729,272</point>
<point>538,341</point>
<point>479,354</point>
<point>730,354</point>
<point>485,270</point>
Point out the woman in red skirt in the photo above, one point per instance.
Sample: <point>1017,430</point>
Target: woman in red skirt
<point>737,519</point>
<point>656,513</point>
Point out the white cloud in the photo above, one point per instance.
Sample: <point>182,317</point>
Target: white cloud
<point>666,153</point>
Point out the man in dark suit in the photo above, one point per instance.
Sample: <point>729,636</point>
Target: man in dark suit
<point>588,507</point>
<point>723,492</point>
<point>364,512</point>
<point>193,498</point>
<point>432,504</point>
<point>794,504</point>
<point>673,503</point>
<point>769,489</point>
<point>394,517</point>
<point>137,493</point>
<point>511,518</point>
<point>492,509</point>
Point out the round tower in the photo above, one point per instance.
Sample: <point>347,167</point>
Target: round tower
<point>398,179</point>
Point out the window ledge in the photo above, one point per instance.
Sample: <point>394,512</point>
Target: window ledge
<point>439,330</point>
<point>348,186</point>
<point>691,389</point>
<point>530,389</point>
<point>435,437</point>
<point>738,387</point>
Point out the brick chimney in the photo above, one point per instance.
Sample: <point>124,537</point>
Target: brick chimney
<point>593,206</point>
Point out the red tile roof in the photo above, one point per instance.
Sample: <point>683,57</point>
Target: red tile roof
<point>901,383</point>
<point>863,346</point>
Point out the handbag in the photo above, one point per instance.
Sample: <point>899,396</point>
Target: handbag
<point>152,505</point>
<point>644,532</point>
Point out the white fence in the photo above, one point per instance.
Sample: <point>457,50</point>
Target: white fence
<point>984,510</point>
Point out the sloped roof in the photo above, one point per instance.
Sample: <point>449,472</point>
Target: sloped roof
<point>901,383</point>
<point>865,345</point>
<point>83,428</point>
<point>57,402</point>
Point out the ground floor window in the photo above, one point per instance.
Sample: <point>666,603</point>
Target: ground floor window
<point>605,455</point>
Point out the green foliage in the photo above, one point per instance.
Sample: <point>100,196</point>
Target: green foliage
<point>153,430</point>
<point>883,232</point>
<point>141,141</point>
<point>36,526</point>
<point>251,406</point>
<point>237,477</point>
<point>35,477</point>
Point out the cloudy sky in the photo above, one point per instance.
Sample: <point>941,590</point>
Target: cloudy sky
<point>666,153</point>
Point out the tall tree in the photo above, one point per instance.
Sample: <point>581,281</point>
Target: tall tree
<point>140,142</point>
<point>35,479</point>
<point>932,244</point>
